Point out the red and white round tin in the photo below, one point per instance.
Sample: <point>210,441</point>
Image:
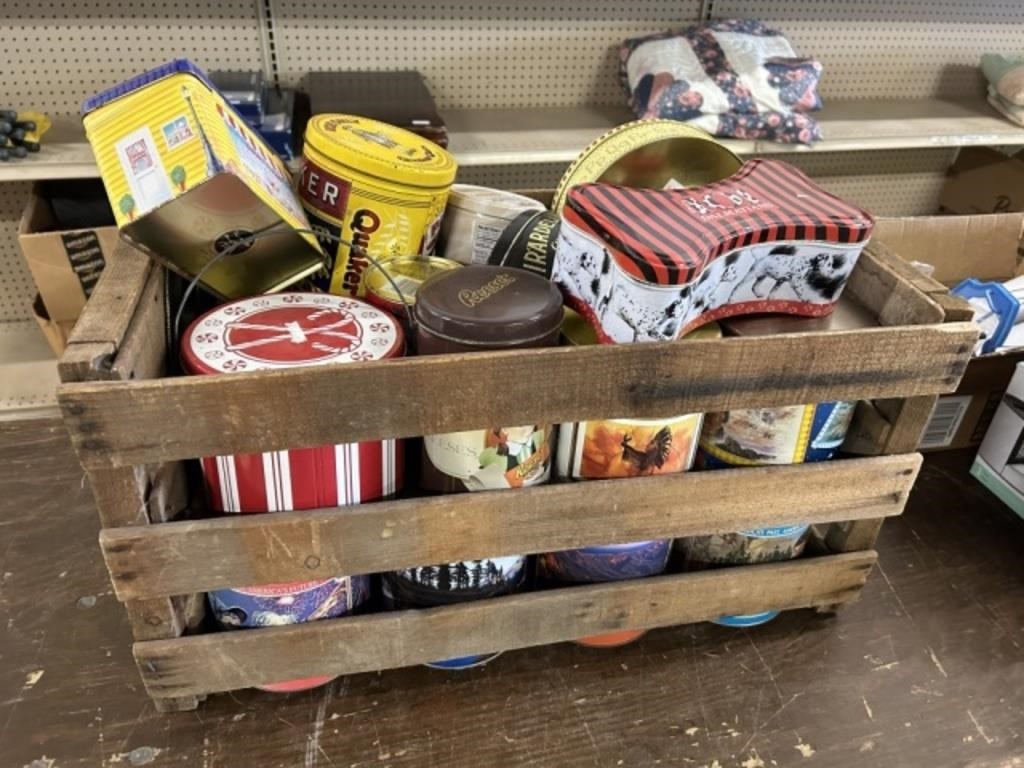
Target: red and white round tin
<point>277,332</point>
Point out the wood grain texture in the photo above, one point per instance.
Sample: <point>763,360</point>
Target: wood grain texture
<point>953,590</point>
<point>887,286</point>
<point>954,308</point>
<point>191,556</point>
<point>101,329</point>
<point>147,422</point>
<point>229,660</point>
<point>142,349</point>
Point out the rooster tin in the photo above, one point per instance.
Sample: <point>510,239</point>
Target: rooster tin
<point>277,332</point>
<point>650,265</point>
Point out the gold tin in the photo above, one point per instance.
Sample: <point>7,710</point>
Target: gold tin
<point>653,154</point>
<point>408,273</point>
<point>188,181</point>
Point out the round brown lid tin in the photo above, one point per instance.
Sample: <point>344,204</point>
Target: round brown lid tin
<point>489,306</point>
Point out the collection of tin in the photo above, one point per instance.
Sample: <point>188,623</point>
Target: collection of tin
<point>656,232</point>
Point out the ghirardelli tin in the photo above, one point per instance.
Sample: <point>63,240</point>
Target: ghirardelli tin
<point>283,331</point>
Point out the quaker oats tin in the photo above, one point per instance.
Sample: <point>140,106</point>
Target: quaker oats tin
<point>276,332</point>
<point>479,308</point>
<point>379,187</point>
<point>475,219</point>
<point>651,154</point>
<point>189,181</point>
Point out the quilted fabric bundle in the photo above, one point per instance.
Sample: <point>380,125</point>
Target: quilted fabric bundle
<point>733,78</point>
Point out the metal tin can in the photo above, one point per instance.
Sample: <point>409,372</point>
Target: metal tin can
<point>787,435</point>
<point>528,242</point>
<point>760,545</point>
<point>652,154</point>
<point>282,331</point>
<point>408,274</point>
<point>613,448</point>
<point>379,187</point>
<point>651,265</point>
<point>182,168</point>
<point>449,583</point>
<point>479,308</point>
<point>475,219</point>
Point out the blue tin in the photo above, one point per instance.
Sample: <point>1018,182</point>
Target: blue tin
<point>613,562</point>
<point>295,603</point>
<point>788,435</point>
<point>463,662</point>
<point>746,619</point>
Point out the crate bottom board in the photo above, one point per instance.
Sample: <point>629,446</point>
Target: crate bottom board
<point>224,661</point>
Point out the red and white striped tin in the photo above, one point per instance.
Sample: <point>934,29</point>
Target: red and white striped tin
<point>284,331</point>
<point>278,332</point>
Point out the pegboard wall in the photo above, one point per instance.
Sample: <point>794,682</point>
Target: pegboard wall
<point>16,287</point>
<point>494,53</point>
<point>57,54</point>
<point>473,54</point>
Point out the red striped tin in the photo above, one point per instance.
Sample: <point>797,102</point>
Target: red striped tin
<point>651,265</point>
<point>277,332</point>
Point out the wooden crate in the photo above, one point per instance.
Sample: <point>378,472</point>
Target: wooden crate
<point>132,430</point>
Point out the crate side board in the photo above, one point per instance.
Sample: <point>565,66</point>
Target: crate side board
<point>889,287</point>
<point>154,421</point>
<point>193,556</point>
<point>226,661</point>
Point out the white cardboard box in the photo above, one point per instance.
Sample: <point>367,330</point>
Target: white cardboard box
<point>999,465</point>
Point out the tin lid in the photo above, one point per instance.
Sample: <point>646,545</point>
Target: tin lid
<point>178,66</point>
<point>667,237</point>
<point>381,150</point>
<point>408,272</point>
<point>650,154</point>
<point>286,330</point>
<point>489,306</point>
<point>496,203</point>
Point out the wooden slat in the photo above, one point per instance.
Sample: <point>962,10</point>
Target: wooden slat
<point>954,308</point>
<point>200,555</point>
<point>142,349</point>
<point>228,660</point>
<point>886,285</point>
<point>105,321</point>
<point>148,422</point>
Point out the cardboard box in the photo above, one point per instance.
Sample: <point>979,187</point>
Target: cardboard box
<point>999,465</point>
<point>55,331</point>
<point>983,180</point>
<point>981,246</point>
<point>64,264</point>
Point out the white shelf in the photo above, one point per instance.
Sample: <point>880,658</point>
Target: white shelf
<point>481,137</point>
<point>497,137</point>
<point>28,373</point>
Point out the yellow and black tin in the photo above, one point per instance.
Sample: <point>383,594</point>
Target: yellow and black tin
<point>189,182</point>
<point>652,154</point>
<point>376,186</point>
